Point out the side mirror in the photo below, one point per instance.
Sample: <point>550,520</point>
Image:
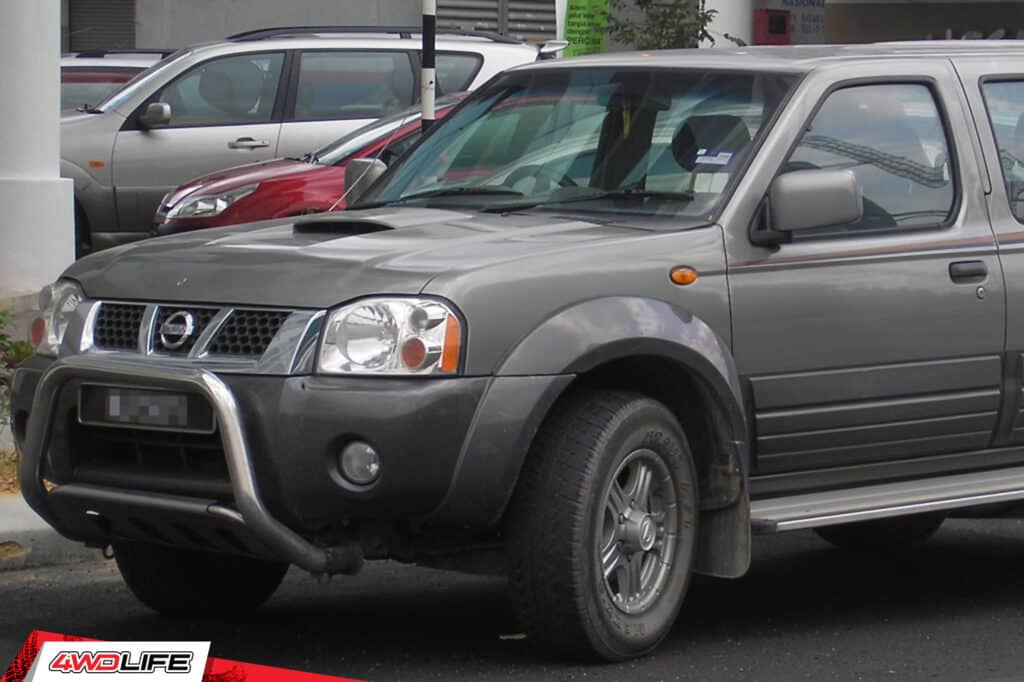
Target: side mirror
<point>359,175</point>
<point>807,199</point>
<point>156,115</point>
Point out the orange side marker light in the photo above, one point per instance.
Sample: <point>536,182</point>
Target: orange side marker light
<point>683,276</point>
<point>452,345</point>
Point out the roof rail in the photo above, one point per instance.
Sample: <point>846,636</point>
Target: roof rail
<point>400,31</point>
<point>98,54</point>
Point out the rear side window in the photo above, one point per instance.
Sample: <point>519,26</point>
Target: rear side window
<point>1005,102</point>
<point>893,139</point>
<point>226,91</point>
<point>455,71</point>
<point>352,84</point>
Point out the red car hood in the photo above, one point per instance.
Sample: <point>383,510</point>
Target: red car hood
<point>239,176</point>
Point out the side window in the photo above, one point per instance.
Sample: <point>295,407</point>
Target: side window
<point>455,71</point>
<point>352,84</point>
<point>892,137</point>
<point>226,91</point>
<point>1005,102</point>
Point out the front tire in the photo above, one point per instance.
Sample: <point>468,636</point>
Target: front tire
<point>185,582</point>
<point>603,526</point>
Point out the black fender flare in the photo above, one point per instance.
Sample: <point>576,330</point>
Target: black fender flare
<point>583,336</point>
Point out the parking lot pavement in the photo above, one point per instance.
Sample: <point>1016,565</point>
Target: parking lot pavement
<point>951,610</point>
<point>26,541</point>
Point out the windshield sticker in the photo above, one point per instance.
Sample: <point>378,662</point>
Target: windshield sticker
<point>704,157</point>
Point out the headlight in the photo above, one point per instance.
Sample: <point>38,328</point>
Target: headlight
<point>57,303</point>
<point>210,205</point>
<point>391,336</point>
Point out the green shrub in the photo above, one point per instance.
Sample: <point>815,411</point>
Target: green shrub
<point>12,353</point>
<point>665,24</point>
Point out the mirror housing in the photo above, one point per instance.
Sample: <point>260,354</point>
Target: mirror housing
<point>359,175</point>
<point>156,115</point>
<point>809,199</point>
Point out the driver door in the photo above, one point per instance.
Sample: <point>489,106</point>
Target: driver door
<point>224,112</point>
<point>879,341</point>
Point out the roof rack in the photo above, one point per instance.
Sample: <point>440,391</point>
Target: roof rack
<point>400,31</point>
<point>98,54</point>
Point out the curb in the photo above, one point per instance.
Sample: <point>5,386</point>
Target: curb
<point>26,541</point>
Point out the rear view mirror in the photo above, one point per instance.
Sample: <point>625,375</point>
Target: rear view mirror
<point>359,175</point>
<point>156,115</point>
<point>806,199</point>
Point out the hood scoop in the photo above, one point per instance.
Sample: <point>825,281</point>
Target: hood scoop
<point>339,227</point>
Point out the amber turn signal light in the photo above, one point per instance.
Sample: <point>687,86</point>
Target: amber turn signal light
<point>683,276</point>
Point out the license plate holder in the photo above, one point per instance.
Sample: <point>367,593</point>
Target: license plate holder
<point>139,408</point>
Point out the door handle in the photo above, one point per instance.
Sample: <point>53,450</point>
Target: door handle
<point>247,143</point>
<point>968,271</point>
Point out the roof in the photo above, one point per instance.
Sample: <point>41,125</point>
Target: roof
<point>794,58</point>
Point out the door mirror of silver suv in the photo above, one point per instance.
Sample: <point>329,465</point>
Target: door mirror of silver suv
<point>359,175</point>
<point>156,115</point>
<point>806,199</point>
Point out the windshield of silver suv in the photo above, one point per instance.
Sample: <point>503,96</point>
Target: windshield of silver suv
<point>651,142</point>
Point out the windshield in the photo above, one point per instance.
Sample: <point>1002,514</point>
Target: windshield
<point>119,97</point>
<point>612,140</point>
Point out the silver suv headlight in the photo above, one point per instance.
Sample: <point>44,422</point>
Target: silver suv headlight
<point>210,205</point>
<point>396,336</point>
<point>57,303</point>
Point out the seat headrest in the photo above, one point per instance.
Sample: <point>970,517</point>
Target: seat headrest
<point>234,87</point>
<point>702,138</point>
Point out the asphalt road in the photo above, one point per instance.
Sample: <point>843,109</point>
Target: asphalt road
<point>951,610</point>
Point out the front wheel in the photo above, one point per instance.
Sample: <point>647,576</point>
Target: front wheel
<point>185,582</point>
<point>602,529</point>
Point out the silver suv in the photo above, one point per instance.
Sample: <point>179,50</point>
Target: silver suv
<point>255,96</point>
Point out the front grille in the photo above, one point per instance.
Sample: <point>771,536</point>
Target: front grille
<point>117,326</point>
<point>248,332</point>
<point>175,330</point>
<point>201,318</point>
<point>143,459</point>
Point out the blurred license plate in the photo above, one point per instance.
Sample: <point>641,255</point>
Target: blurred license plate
<point>138,408</point>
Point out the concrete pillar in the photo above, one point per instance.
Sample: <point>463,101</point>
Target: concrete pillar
<point>735,17</point>
<point>36,204</point>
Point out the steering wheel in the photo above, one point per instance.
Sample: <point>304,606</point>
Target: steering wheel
<point>540,174</point>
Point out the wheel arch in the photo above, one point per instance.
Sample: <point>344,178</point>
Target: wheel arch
<point>641,345</point>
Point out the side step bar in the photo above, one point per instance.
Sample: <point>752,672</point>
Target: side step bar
<point>865,503</point>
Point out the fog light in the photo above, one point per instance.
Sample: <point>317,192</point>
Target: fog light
<point>360,463</point>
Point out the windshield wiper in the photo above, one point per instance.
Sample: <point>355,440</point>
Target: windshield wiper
<point>629,194</point>
<point>465,191</point>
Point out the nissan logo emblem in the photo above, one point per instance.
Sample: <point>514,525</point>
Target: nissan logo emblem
<point>177,330</point>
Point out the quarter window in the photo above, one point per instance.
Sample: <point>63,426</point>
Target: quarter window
<point>352,84</point>
<point>893,139</point>
<point>226,91</point>
<point>1005,102</point>
<point>456,71</point>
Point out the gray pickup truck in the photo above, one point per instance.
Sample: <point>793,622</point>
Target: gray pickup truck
<point>609,318</point>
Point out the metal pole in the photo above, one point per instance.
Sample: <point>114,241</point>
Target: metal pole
<point>429,64</point>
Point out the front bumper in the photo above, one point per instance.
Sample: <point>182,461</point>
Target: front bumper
<point>450,451</point>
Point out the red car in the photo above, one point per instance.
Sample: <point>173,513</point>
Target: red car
<point>287,187</point>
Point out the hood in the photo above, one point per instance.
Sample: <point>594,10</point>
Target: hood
<point>239,176</point>
<point>327,259</point>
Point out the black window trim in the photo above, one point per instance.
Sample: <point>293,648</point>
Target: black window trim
<point>132,121</point>
<point>288,113</point>
<point>982,82</point>
<point>951,143</point>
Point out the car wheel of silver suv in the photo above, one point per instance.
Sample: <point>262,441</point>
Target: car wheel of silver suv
<point>602,528</point>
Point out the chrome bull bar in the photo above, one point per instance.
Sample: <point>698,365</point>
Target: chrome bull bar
<point>252,513</point>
